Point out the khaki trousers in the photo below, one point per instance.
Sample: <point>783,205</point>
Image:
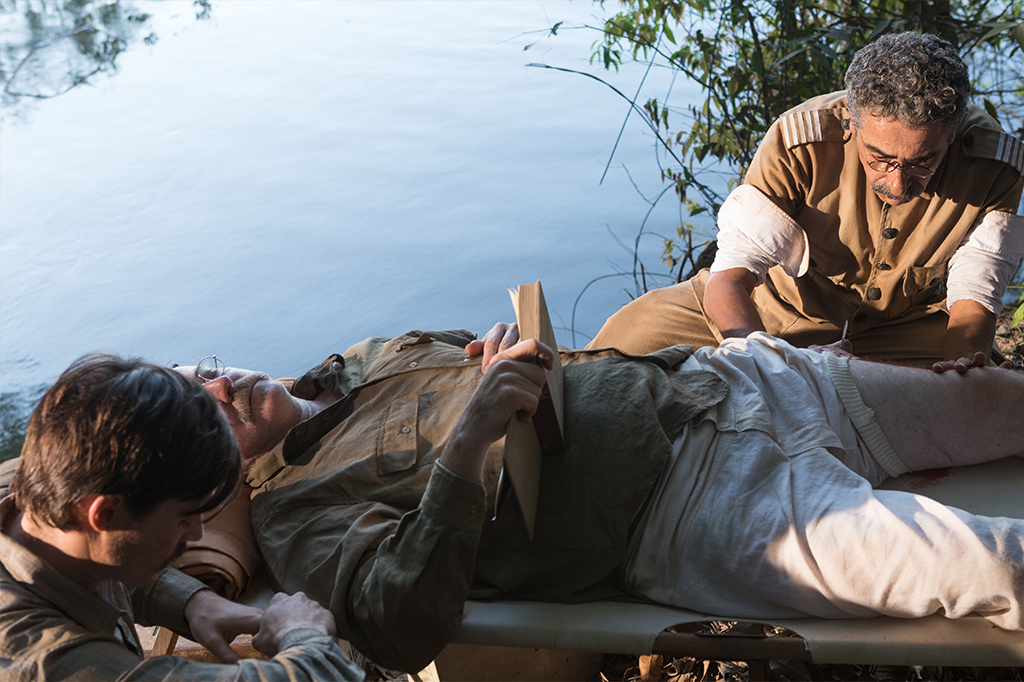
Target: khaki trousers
<point>675,314</point>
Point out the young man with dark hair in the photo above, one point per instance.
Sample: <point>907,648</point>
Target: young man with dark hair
<point>121,461</point>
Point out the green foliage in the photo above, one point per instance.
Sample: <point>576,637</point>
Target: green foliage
<point>755,59</point>
<point>1018,315</point>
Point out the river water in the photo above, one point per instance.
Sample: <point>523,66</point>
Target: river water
<point>274,181</point>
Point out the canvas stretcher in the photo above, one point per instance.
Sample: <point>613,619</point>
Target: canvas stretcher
<point>641,628</point>
<point>992,489</point>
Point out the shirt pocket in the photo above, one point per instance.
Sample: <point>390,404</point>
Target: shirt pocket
<point>925,284</point>
<point>398,436</point>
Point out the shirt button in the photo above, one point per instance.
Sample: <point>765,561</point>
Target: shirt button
<point>406,429</point>
<point>874,293</point>
<point>883,266</point>
<point>474,508</point>
<point>413,364</point>
<point>890,233</point>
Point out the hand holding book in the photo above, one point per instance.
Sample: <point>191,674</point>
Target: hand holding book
<point>526,443</point>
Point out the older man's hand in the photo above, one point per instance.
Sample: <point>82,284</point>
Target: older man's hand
<point>842,348</point>
<point>961,365</point>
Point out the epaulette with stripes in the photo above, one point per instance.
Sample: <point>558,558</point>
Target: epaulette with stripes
<point>986,143</point>
<point>811,125</point>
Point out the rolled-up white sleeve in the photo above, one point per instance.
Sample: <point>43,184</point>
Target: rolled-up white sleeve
<point>755,234</point>
<point>986,260</point>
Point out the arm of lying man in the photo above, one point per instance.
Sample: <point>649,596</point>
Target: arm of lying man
<point>386,535</point>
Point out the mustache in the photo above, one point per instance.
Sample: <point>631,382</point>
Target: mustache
<point>912,190</point>
<point>241,395</point>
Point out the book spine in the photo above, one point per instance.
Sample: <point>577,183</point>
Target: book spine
<point>545,421</point>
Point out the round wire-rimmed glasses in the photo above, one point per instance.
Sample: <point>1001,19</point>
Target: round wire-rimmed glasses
<point>917,172</point>
<point>209,368</point>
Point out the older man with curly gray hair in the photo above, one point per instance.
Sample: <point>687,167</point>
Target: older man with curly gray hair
<point>883,218</point>
<point>913,78</point>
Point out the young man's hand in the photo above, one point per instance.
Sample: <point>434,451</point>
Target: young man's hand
<point>287,613</point>
<point>216,621</point>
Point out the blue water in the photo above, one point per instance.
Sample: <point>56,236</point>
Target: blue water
<point>282,179</point>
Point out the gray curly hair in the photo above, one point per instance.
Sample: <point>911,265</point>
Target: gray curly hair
<point>915,78</point>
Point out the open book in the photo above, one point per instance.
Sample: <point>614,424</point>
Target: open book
<point>525,444</point>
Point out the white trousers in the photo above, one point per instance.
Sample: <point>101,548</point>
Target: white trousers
<point>760,514</point>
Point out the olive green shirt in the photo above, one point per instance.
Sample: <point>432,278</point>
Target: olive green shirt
<point>51,628</point>
<point>353,509</point>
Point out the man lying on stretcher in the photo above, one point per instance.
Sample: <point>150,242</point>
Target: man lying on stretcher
<point>734,480</point>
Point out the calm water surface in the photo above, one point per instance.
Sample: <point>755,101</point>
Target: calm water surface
<point>279,180</point>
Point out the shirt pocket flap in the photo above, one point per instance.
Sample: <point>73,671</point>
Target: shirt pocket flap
<point>398,436</point>
<point>923,278</point>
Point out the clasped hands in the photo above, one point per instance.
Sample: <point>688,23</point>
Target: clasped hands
<point>216,621</point>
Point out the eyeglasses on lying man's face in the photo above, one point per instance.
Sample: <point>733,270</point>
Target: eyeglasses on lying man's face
<point>209,368</point>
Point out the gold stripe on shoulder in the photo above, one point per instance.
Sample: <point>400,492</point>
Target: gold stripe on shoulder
<point>810,125</point>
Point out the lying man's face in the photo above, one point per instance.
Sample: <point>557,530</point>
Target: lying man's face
<point>259,409</point>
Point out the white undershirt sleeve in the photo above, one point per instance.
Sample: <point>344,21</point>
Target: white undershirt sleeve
<point>755,234</point>
<point>985,261</point>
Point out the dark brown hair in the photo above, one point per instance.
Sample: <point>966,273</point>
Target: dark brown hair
<point>115,426</point>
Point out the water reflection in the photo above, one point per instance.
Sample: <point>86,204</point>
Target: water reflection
<point>50,48</point>
<point>359,168</point>
<point>14,412</point>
